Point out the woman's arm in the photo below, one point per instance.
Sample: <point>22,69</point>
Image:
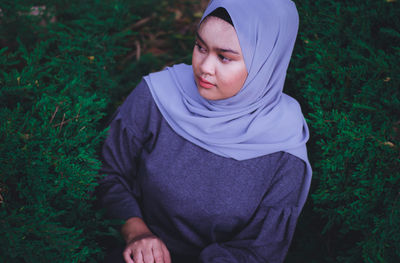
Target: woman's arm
<point>133,228</point>
<point>120,195</point>
<point>119,191</point>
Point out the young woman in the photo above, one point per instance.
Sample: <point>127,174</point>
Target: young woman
<point>207,163</point>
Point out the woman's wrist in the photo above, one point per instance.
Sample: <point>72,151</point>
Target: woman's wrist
<point>134,228</point>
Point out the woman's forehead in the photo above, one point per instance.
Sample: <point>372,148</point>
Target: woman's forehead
<point>219,33</point>
<point>212,21</point>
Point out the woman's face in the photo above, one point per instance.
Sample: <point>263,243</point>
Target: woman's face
<point>218,63</point>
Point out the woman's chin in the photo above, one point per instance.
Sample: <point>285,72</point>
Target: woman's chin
<point>207,93</point>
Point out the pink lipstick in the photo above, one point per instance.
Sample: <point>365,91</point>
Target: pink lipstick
<point>205,84</point>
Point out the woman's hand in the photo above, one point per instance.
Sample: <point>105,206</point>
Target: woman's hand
<point>142,245</point>
<point>146,248</point>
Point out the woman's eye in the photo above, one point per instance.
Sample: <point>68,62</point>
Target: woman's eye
<point>224,59</point>
<point>200,48</point>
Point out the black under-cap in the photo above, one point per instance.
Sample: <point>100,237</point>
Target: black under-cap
<point>221,13</point>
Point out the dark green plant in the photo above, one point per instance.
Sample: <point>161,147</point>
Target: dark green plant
<point>58,67</point>
<point>346,72</point>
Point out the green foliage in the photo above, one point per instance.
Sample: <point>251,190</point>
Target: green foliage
<point>57,67</point>
<point>346,72</point>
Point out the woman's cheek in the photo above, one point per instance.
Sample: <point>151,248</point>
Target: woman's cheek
<point>196,58</point>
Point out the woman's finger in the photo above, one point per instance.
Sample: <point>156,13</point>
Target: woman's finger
<point>127,254</point>
<point>138,256</point>
<point>158,254</point>
<point>147,255</point>
<point>167,257</point>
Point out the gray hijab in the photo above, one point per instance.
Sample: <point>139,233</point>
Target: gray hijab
<point>258,120</point>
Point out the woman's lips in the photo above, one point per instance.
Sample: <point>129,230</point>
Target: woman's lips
<point>205,84</point>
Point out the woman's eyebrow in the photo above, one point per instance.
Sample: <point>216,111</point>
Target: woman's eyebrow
<point>218,49</point>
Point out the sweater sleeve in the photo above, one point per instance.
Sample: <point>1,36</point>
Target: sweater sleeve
<point>267,236</point>
<point>118,191</point>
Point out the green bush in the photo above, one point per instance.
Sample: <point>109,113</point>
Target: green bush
<point>346,73</point>
<point>58,68</point>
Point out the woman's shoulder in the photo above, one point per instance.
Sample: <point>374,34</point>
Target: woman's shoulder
<point>139,97</point>
<point>282,166</point>
<point>289,165</point>
<point>277,160</point>
<point>286,159</point>
<point>139,108</point>
<point>288,178</point>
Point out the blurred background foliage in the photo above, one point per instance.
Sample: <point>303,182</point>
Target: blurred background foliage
<point>66,65</point>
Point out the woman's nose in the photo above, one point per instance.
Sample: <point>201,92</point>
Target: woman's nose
<point>207,66</point>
